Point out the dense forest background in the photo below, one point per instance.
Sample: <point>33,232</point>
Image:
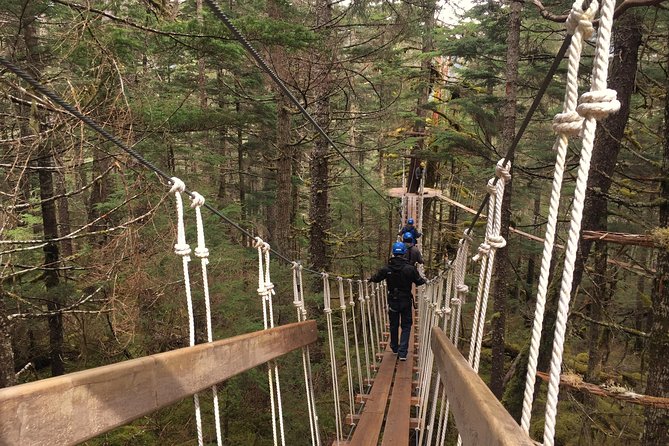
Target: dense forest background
<point>87,272</point>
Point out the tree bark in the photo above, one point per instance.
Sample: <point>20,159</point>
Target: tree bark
<point>319,213</point>
<point>7,375</point>
<point>656,427</point>
<point>502,283</point>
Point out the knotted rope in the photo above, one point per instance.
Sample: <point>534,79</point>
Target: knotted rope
<point>568,123</point>
<point>596,104</point>
<point>266,291</point>
<point>202,253</point>
<point>333,359</point>
<point>181,248</point>
<point>298,301</point>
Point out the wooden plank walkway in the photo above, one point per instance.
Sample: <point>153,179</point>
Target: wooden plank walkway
<point>396,430</point>
<point>397,375</point>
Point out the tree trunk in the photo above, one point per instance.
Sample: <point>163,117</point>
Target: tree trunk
<point>502,283</point>
<point>656,427</point>
<point>424,88</point>
<point>48,207</point>
<point>63,207</point>
<point>319,213</point>
<point>7,375</point>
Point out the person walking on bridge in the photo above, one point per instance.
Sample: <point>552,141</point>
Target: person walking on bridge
<point>399,276</point>
<point>413,254</point>
<point>409,227</point>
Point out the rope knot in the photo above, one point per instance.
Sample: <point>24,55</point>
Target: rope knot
<point>484,249</point>
<point>491,187</point>
<point>462,288</point>
<point>182,249</point>
<point>196,200</point>
<point>456,301</point>
<point>569,123</point>
<point>269,286</point>
<point>598,104</point>
<point>582,20</point>
<point>177,185</point>
<point>466,235</point>
<point>502,171</point>
<point>496,241</point>
<point>258,242</point>
<point>202,253</point>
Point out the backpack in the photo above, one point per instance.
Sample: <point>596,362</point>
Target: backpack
<point>393,279</point>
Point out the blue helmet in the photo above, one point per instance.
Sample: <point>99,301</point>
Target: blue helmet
<point>410,221</point>
<point>399,248</point>
<point>407,237</point>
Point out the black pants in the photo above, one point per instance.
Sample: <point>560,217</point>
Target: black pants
<point>399,313</point>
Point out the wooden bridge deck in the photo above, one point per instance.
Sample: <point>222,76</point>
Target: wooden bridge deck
<point>395,411</point>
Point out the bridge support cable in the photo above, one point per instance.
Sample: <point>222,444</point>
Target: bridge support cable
<point>298,301</point>
<point>566,124</point>
<point>202,253</point>
<point>266,292</point>
<point>333,359</point>
<point>597,104</point>
<point>181,248</point>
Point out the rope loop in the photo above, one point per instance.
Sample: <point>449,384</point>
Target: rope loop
<point>462,288</point>
<point>582,19</point>
<point>258,242</point>
<point>502,171</point>
<point>177,185</point>
<point>496,241</point>
<point>466,235</point>
<point>568,124</point>
<point>182,249</point>
<point>491,187</point>
<point>484,250</point>
<point>196,200</point>
<point>598,104</point>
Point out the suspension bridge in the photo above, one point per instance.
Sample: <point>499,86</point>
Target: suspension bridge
<point>376,398</point>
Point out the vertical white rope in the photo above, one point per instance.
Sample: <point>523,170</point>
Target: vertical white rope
<point>495,241</point>
<point>351,302</point>
<point>298,301</point>
<point>274,365</point>
<point>347,349</point>
<point>182,249</point>
<point>363,320</point>
<point>202,253</point>
<point>594,105</point>
<point>377,315</point>
<point>568,123</point>
<point>333,360</point>
<point>370,322</point>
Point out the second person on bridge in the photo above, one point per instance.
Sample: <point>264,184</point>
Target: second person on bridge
<point>399,276</point>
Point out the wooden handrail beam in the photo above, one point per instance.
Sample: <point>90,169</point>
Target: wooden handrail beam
<point>72,408</point>
<point>479,416</point>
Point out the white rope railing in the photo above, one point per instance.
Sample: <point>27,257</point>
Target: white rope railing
<point>181,248</point>
<point>363,322</point>
<point>566,124</point>
<point>370,322</point>
<point>594,105</point>
<point>351,303</point>
<point>298,301</point>
<point>202,253</point>
<point>347,349</point>
<point>266,291</point>
<point>333,359</point>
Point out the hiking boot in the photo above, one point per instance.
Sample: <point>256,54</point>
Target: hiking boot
<point>403,358</point>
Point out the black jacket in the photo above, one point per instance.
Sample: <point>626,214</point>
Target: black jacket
<point>399,275</point>
<point>413,255</point>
